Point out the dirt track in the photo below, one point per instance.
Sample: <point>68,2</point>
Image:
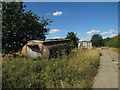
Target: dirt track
<point>107,76</point>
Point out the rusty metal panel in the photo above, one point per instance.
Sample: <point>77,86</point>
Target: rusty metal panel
<point>44,49</point>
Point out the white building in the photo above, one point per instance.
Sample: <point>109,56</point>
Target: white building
<point>85,45</point>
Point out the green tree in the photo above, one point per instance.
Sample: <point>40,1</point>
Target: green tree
<point>97,40</point>
<point>74,39</point>
<point>114,42</point>
<point>106,40</point>
<point>19,26</point>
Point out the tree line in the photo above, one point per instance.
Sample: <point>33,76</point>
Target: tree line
<point>113,42</point>
<point>98,41</point>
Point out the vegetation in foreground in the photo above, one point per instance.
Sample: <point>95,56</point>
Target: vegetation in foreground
<point>74,71</point>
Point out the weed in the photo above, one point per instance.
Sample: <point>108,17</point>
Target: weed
<point>76,70</point>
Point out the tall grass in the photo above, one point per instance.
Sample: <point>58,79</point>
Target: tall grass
<point>116,50</point>
<point>74,71</point>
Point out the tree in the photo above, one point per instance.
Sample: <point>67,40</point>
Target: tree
<point>106,40</point>
<point>19,26</point>
<point>74,39</point>
<point>113,42</point>
<point>97,40</point>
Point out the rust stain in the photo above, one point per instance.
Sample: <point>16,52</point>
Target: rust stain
<point>47,48</point>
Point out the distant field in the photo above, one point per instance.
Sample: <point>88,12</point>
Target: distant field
<point>74,71</point>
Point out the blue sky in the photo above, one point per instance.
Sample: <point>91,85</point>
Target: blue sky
<point>83,18</point>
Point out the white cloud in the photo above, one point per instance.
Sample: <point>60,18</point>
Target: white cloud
<point>109,32</point>
<point>92,31</point>
<point>57,13</point>
<point>106,36</point>
<point>105,33</point>
<point>54,30</point>
<point>112,35</point>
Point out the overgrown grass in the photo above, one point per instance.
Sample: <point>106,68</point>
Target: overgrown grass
<point>116,50</point>
<point>74,71</point>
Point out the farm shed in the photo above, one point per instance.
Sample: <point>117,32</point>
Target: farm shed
<point>37,49</point>
<point>85,45</point>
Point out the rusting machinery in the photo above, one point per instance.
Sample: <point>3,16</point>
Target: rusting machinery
<point>37,49</point>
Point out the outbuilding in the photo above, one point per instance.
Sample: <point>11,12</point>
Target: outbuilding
<point>85,45</point>
<point>37,49</point>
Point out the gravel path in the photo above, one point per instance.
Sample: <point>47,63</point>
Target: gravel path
<point>107,76</point>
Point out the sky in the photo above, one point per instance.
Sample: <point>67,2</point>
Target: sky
<point>83,18</point>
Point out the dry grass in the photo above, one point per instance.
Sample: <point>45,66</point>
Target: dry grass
<point>116,50</point>
<point>74,71</point>
<point>83,58</point>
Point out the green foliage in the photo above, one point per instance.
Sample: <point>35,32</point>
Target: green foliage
<point>73,71</point>
<point>97,40</point>
<point>106,40</point>
<point>19,26</point>
<point>113,42</point>
<point>74,39</point>
<point>22,72</point>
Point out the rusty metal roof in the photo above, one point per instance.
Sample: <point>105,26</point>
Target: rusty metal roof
<point>49,40</point>
<point>36,41</point>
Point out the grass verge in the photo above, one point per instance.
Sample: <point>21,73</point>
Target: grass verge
<point>116,50</point>
<point>74,71</point>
